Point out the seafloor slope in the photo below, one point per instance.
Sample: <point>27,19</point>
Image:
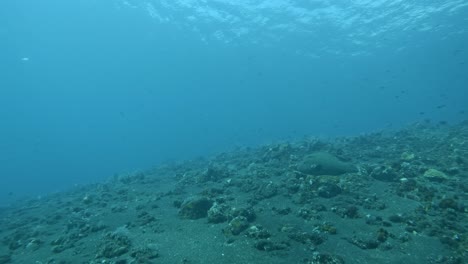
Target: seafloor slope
<point>394,197</point>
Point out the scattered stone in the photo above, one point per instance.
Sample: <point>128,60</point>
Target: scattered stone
<point>306,213</point>
<point>347,211</point>
<point>407,156</point>
<point>374,220</point>
<point>328,190</point>
<point>328,228</point>
<point>268,245</point>
<point>364,243</point>
<point>218,213</point>
<point>322,258</point>
<point>144,218</point>
<point>258,232</point>
<point>449,203</point>
<point>314,238</point>
<point>34,244</point>
<point>407,185</point>
<point>57,249</point>
<point>237,225</point>
<point>87,199</point>
<point>115,244</point>
<point>214,173</point>
<point>282,211</point>
<point>435,175</point>
<point>212,193</point>
<point>384,173</point>
<point>266,190</point>
<point>397,218</point>
<point>59,241</point>
<point>248,213</point>
<point>271,198</point>
<point>382,235</point>
<point>195,208</point>
<point>112,251</point>
<point>323,163</point>
<point>144,255</point>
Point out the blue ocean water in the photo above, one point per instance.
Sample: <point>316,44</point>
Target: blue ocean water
<point>93,88</point>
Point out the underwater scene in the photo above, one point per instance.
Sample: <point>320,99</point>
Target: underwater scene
<point>237,132</point>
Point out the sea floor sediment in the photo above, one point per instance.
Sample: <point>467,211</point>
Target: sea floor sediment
<point>385,197</point>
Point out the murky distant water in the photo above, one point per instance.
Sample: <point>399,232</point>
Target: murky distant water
<point>93,88</point>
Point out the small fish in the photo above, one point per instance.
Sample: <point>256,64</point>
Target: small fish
<point>440,106</point>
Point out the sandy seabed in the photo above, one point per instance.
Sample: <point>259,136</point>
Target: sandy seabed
<point>387,197</point>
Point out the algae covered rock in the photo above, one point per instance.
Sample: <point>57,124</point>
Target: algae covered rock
<point>115,244</point>
<point>435,175</point>
<point>266,190</point>
<point>323,163</point>
<point>407,156</point>
<point>258,232</point>
<point>384,173</point>
<point>145,254</point>
<point>328,190</point>
<point>214,173</point>
<point>237,225</point>
<point>195,208</point>
<point>218,213</point>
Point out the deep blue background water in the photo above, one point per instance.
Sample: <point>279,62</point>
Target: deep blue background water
<point>93,88</point>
